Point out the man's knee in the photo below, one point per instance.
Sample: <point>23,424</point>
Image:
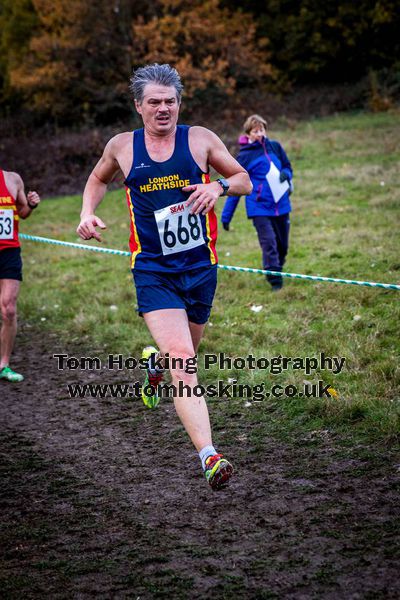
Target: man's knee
<point>9,311</point>
<point>183,365</point>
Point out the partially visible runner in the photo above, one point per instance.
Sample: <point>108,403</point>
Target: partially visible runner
<point>173,234</point>
<point>14,204</point>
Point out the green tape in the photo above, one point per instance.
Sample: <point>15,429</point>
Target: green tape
<point>385,286</point>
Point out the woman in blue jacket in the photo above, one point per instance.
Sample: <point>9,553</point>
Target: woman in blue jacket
<point>269,204</point>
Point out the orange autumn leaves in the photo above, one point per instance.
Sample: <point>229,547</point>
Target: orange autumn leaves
<point>72,60</point>
<point>212,47</point>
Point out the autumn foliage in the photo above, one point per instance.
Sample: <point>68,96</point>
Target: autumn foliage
<point>70,60</point>
<point>214,49</point>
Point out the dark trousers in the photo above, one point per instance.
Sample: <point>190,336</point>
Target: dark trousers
<point>273,235</point>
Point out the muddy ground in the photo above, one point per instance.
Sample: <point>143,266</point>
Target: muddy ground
<point>105,498</point>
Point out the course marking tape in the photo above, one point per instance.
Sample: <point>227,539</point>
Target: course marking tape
<point>386,286</point>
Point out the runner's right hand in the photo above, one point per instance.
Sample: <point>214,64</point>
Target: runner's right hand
<point>87,227</point>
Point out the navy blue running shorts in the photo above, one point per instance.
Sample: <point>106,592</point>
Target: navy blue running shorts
<point>192,290</point>
<point>11,264</point>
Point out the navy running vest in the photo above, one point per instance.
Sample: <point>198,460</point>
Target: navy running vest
<point>164,235</point>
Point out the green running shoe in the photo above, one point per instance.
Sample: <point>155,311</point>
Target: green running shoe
<point>218,471</point>
<point>10,375</point>
<point>151,379</point>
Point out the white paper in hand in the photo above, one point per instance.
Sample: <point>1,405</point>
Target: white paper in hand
<point>277,188</point>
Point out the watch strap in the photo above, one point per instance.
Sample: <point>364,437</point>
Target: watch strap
<point>224,184</point>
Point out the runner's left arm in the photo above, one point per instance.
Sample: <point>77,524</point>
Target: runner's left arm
<point>204,196</point>
<point>25,203</point>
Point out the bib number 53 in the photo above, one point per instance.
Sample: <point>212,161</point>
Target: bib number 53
<point>6,224</point>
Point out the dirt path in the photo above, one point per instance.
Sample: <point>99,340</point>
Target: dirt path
<point>105,498</point>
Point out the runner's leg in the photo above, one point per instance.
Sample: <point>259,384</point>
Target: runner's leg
<point>172,333</point>
<point>9,289</point>
<point>196,331</point>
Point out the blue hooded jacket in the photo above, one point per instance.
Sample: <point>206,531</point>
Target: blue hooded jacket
<point>255,158</point>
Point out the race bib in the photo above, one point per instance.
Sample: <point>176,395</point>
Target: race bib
<point>6,224</point>
<point>178,229</point>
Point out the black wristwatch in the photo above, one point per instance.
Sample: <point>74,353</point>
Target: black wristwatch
<point>32,206</point>
<point>224,184</point>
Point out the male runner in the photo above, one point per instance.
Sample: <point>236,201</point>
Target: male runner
<point>14,204</point>
<point>173,233</point>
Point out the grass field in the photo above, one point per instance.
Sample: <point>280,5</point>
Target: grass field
<point>104,498</point>
<point>344,224</point>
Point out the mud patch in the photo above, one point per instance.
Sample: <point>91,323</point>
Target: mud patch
<point>106,498</point>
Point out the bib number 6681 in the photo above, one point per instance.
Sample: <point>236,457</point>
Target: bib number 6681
<point>178,229</point>
<point>183,234</point>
